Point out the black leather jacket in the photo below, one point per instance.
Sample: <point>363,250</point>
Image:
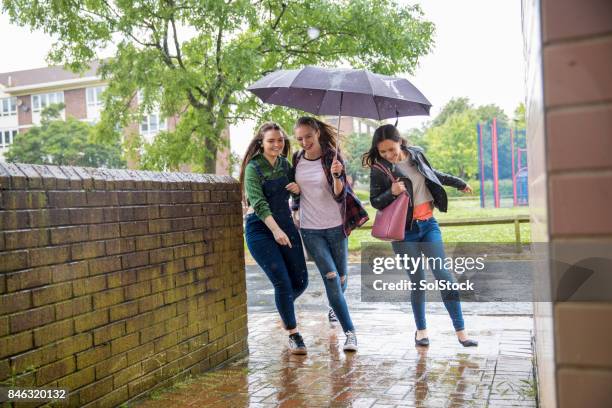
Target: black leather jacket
<point>380,184</point>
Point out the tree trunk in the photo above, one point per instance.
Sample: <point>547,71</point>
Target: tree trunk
<point>210,162</point>
<point>220,160</point>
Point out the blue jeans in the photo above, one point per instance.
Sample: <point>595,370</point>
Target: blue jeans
<point>329,249</point>
<point>284,266</point>
<point>428,233</point>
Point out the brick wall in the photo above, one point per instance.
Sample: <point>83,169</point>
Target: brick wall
<point>24,111</point>
<point>570,139</point>
<point>115,282</point>
<point>76,104</point>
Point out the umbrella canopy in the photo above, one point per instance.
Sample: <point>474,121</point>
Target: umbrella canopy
<point>346,92</point>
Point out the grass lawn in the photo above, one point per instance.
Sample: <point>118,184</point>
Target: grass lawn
<point>460,209</point>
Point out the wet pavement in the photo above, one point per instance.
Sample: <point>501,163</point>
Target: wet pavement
<point>261,296</point>
<point>387,371</point>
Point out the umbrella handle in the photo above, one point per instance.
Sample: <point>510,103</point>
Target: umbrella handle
<point>337,175</point>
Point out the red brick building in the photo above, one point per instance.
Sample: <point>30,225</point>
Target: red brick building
<point>24,94</point>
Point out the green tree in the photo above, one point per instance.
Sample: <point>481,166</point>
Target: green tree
<point>353,147</point>
<point>451,140</point>
<point>196,58</point>
<point>519,118</point>
<point>416,137</point>
<point>486,113</point>
<point>452,146</point>
<point>61,142</point>
<point>452,107</point>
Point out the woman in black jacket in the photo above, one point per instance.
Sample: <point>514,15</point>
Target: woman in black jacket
<point>414,176</point>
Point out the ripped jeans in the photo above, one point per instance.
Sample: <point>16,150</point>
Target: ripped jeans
<point>329,249</point>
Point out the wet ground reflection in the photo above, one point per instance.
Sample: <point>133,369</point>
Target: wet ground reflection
<point>387,371</point>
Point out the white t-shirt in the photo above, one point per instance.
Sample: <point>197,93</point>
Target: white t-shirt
<point>420,191</point>
<point>318,209</point>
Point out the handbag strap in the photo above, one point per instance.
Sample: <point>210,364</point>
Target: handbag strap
<point>385,170</point>
<point>389,174</point>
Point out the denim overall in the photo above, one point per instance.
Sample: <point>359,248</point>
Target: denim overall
<point>284,266</point>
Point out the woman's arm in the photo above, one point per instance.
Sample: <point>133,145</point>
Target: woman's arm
<point>338,184</point>
<point>451,181</point>
<point>257,200</point>
<point>254,193</point>
<point>295,198</point>
<point>446,179</point>
<point>380,189</point>
<point>279,234</point>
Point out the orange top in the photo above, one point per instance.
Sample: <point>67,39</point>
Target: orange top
<point>423,211</point>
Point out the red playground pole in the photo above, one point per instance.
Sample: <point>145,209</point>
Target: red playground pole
<point>495,163</point>
<point>513,172</point>
<point>482,167</point>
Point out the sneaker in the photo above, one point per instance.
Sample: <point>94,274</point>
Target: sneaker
<point>331,315</point>
<point>351,342</point>
<point>296,344</point>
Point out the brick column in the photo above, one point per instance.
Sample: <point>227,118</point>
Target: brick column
<point>569,116</point>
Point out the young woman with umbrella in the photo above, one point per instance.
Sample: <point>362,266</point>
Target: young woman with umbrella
<point>328,212</point>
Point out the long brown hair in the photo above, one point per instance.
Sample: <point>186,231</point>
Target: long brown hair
<point>382,133</point>
<point>256,145</point>
<point>328,136</point>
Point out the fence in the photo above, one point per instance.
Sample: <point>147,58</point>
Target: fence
<point>516,220</point>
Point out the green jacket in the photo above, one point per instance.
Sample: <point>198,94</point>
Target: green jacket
<point>253,182</point>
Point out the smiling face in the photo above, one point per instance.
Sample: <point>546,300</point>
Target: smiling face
<point>390,150</point>
<point>307,138</point>
<point>273,143</point>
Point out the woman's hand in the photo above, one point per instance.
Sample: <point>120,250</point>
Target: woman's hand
<point>336,167</point>
<point>281,238</point>
<point>397,188</point>
<point>293,188</point>
<point>296,219</point>
<point>467,189</point>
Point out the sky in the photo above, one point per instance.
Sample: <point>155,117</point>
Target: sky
<point>478,53</point>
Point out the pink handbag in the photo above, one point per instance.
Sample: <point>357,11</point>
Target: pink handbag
<point>390,222</point>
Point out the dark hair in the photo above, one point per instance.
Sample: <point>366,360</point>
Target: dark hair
<point>384,132</point>
<point>328,136</point>
<point>256,145</point>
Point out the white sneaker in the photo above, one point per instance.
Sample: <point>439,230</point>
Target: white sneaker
<point>351,342</point>
<point>331,316</point>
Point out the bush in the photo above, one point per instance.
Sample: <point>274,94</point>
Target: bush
<point>60,142</point>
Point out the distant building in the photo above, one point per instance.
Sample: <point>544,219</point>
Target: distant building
<point>349,125</point>
<point>24,94</point>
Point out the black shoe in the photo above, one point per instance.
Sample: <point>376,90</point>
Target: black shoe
<point>469,343</point>
<point>331,315</point>
<point>296,344</point>
<point>424,342</point>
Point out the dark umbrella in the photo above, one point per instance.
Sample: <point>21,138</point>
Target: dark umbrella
<point>348,92</point>
<point>342,91</point>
